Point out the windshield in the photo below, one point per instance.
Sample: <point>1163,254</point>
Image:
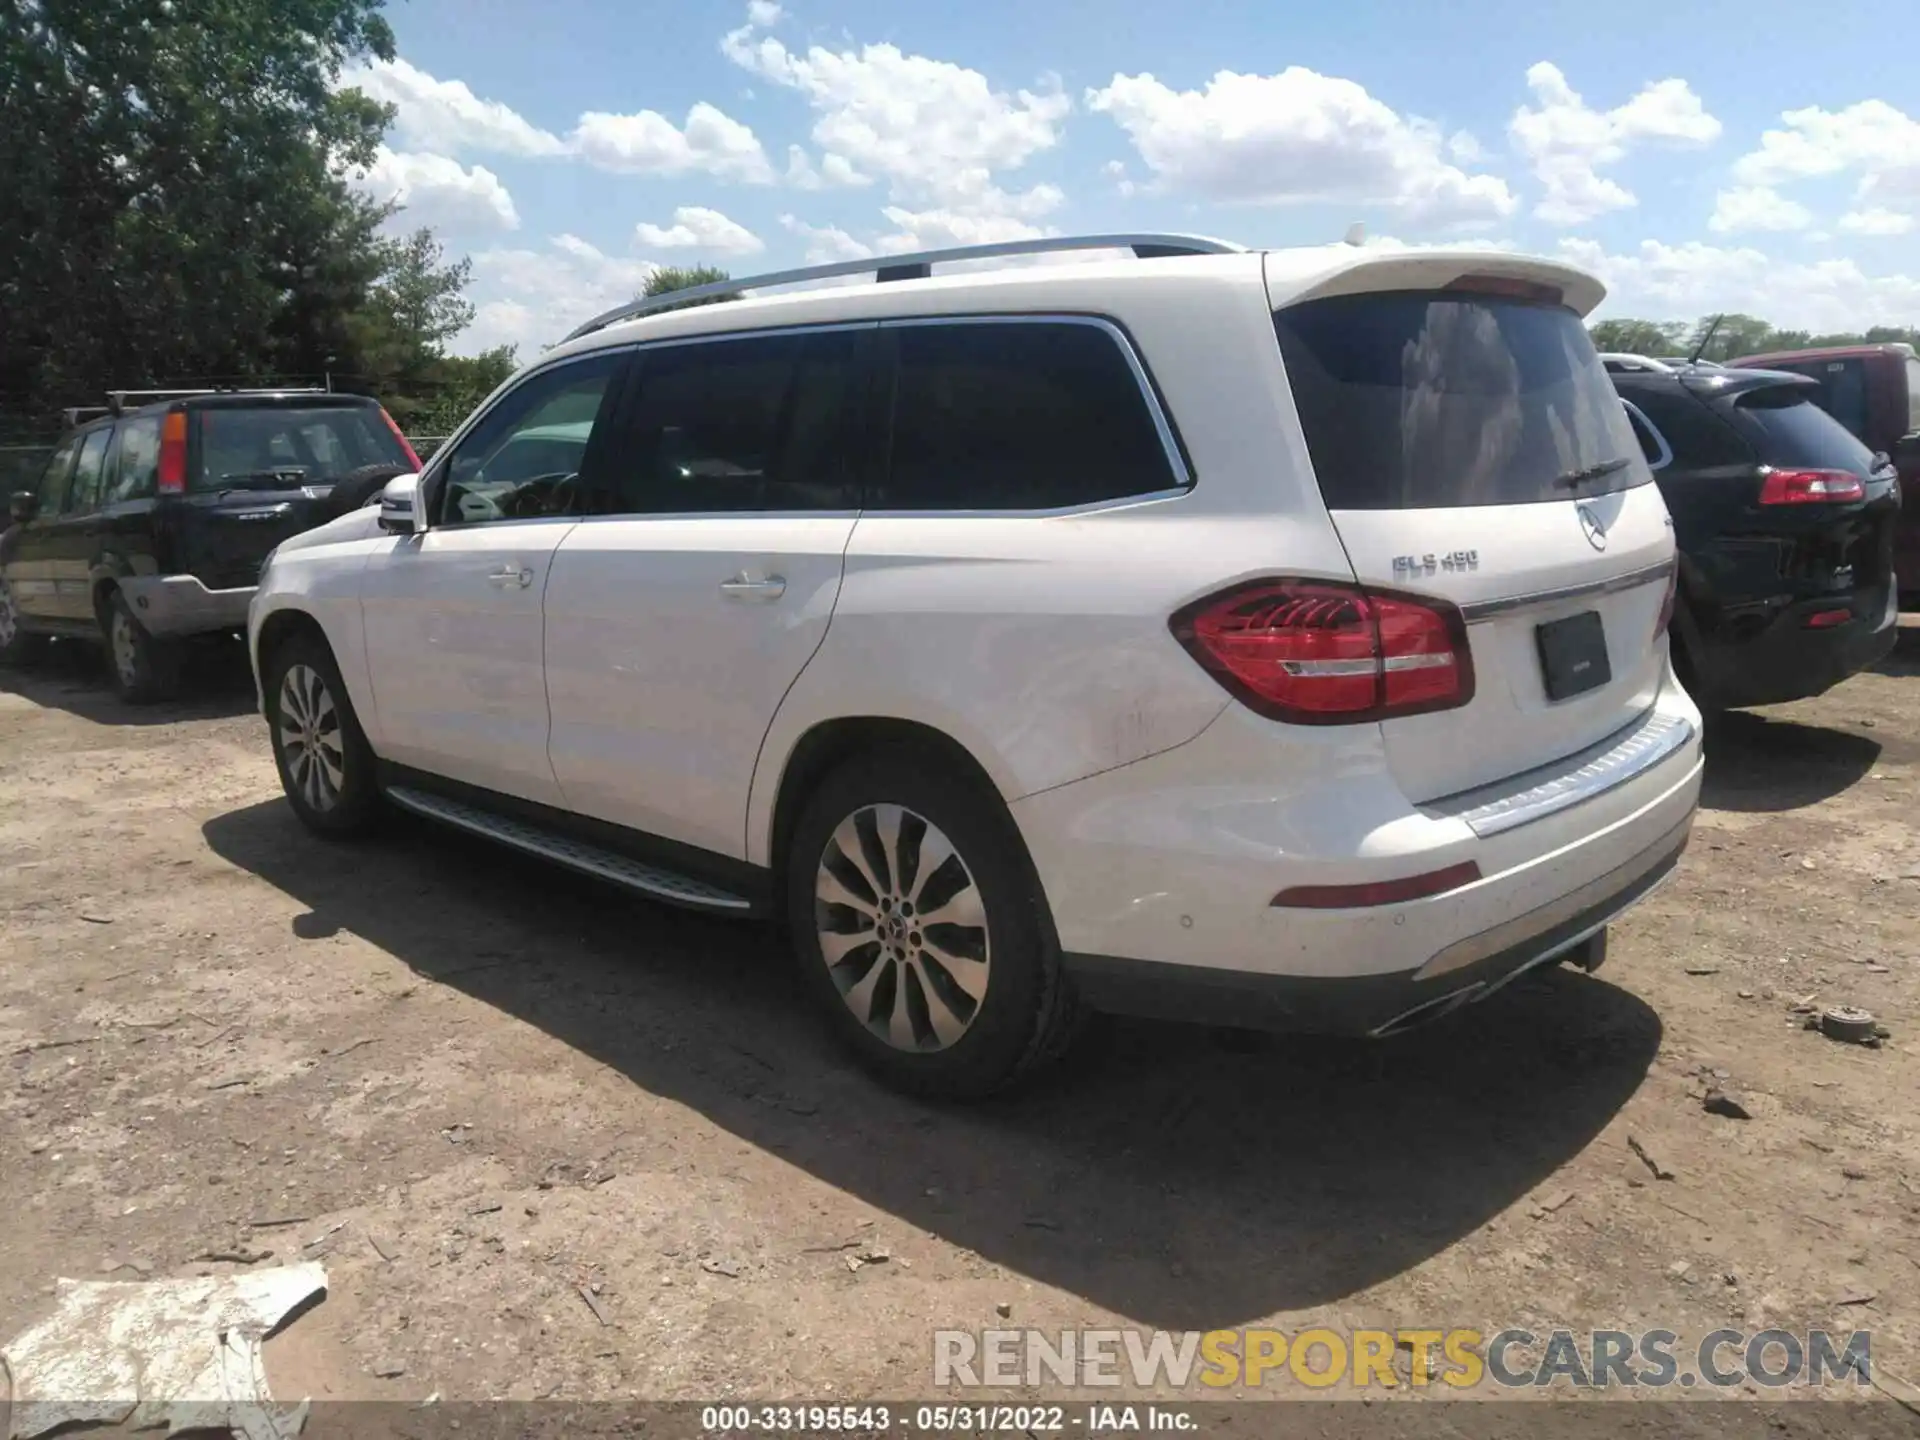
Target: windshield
<point>1416,400</point>
<point>279,446</point>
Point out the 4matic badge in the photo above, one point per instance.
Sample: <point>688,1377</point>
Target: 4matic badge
<point>1428,564</point>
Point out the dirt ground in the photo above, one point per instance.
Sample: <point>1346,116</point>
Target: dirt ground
<point>476,1088</point>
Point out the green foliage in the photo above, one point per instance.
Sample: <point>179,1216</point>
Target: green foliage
<point>669,278</point>
<point>1734,336</point>
<point>173,208</point>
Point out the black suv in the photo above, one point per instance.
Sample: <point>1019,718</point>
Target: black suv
<point>1785,524</point>
<point>150,524</point>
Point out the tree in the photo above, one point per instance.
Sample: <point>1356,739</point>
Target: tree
<point>1639,337</point>
<point>669,278</point>
<point>172,200</point>
<point>1732,335</point>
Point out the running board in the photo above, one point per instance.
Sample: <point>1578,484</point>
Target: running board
<point>636,875</point>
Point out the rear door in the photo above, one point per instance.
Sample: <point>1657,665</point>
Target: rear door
<point>28,555</point>
<point>1469,446</point>
<point>677,617</point>
<point>70,542</point>
<point>259,473</point>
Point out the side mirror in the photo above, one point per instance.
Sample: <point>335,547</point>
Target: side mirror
<point>400,512</point>
<point>22,506</point>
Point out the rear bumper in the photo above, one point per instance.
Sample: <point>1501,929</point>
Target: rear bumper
<point>176,605</point>
<point>1377,1005</point>
<point>1787,661</point>
<point>1161,875</point>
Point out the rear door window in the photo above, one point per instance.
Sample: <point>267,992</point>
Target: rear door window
<point>139,459</point>
<point>83,496</point>
<point>289,446</point>
<point>1788,429</point>
<point>1913,397</point>
<point>1030,415</point>
<point>757,423</point>
<point>1843,391</point>
<point>1414,400</point>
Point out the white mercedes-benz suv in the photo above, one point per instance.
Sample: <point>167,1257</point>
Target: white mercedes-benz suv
<point>1274,638</point>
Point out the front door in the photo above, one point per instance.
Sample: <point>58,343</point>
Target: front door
<point>452,616</point>
<point>678,617</point>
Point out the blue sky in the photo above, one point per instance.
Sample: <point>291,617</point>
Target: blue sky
<point>1697,157</point>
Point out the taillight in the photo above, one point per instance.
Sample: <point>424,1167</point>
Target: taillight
<point>412,459</point>
<point>1317,652</point>
<point>1810,487</point>
<point>173,453</point>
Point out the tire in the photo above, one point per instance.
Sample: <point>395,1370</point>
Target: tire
<point>143,669</point>
<point>359,487</point>
<point>325,764</point>
<point>957,1011</point>
<point>17,646</point>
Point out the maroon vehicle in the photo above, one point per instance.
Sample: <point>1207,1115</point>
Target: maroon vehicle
<point>1873,390</point>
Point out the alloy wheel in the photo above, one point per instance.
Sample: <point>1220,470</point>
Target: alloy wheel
<point>902,928</point>
<point>310,739</point>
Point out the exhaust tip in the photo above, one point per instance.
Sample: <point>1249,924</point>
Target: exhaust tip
<point>1428,1011</point>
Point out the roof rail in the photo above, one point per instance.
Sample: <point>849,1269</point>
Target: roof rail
<point>916,266</point>
<point>1615,360</point>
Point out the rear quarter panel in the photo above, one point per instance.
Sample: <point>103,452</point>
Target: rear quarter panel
<point>1041,642</point>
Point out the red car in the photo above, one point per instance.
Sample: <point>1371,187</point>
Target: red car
<point>1873,390</point>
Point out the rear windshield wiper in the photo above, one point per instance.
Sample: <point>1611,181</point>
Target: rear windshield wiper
<point>1592,472</point>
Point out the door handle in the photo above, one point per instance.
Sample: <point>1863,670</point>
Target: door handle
<point>511,575</point>
<point>743,587</point>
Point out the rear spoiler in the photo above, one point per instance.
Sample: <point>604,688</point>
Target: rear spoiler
<point>1292,277</point>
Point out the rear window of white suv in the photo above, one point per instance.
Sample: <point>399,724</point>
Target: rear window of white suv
<point>1418,400</point>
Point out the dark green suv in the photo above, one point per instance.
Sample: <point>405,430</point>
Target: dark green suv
<point>150,524</point>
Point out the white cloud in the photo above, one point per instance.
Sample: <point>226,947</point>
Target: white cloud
<point>438,192</point>
<point>763,12</point>
<point>1568,141</point>
<point>647,143</point>
<point>826,243</point>
<point>1878,221</point>
<point>1757,207</point>
<point>944,229</point>
<point>1297,136</point>
<point>447,117</point>
<point>833,172</point>
<point>696,227</point>
<point>1873,140</point>
<point>532,298</point>
<point>938,133</point>
<point>1661,281</point>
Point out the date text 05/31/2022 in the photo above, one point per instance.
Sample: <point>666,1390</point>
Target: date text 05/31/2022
<point>943,1419</point>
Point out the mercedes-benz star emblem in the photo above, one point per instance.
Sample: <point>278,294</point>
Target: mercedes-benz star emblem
<point>1595,532</point>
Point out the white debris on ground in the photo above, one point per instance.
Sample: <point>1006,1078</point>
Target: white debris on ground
<point>179,1353</point>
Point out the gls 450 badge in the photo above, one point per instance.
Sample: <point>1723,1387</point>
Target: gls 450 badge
<point>1428,564</point>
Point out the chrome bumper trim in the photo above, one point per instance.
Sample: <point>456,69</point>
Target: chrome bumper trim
<point>1521,799</point>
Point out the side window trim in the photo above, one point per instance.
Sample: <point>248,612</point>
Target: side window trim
<point>433,475</point>
<point>1665,458</point>
<point>1170,443</point>
<point>855,422</point>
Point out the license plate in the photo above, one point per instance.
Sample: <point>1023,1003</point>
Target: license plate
<point>1573,655</point>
